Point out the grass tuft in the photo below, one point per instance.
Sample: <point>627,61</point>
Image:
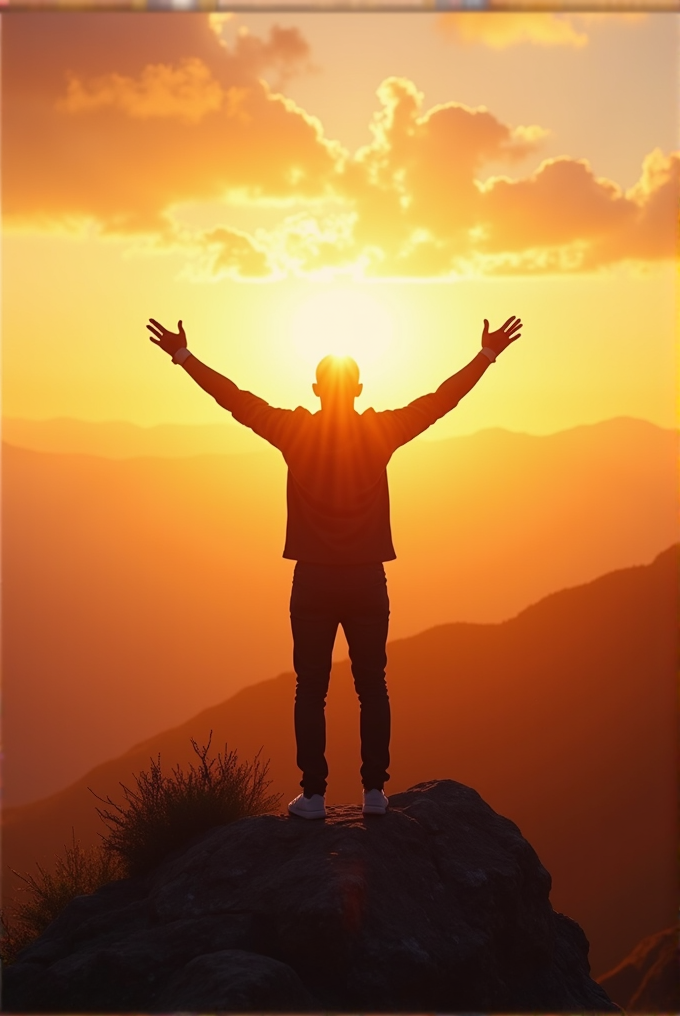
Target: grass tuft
<point>43,896</point>
<point>165,812</point>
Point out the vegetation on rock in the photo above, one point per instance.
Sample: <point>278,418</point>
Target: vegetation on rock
<point>165,812</point>
<point>161,815</point>
<point>78,872</point>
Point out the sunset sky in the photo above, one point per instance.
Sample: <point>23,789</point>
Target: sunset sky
<point>296,184</point>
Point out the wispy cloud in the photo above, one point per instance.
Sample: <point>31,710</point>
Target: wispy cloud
<point>500,29</point>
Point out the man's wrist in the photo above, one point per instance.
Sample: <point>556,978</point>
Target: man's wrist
<point>181,355</point>
<point>489,353</point>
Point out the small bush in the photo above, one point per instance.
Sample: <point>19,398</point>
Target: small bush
<point>165,812</point>
<point>78,873</point>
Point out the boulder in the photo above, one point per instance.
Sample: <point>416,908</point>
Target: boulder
<point>438,905</point>
<point>236,980</point>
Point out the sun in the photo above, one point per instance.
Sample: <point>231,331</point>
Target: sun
<point>344,321</point>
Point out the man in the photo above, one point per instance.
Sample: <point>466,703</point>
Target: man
<point>338,532</point>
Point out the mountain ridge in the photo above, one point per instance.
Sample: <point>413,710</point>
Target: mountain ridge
<point>94,547</point>
<point>551,765</point>
<point>38,435</point>
<point>530,611</point>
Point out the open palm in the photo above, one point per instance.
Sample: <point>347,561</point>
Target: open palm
<point>503,336</point>
<point>169,341</point>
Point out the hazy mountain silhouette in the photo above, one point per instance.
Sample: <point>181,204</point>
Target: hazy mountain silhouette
<point>119,439</point>
<point>648,980</point>
<point>110,565</point>
<point>562,718</point>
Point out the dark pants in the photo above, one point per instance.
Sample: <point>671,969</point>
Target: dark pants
<point>355,596</point>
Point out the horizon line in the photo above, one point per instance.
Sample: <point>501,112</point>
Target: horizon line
<point>430,438</point>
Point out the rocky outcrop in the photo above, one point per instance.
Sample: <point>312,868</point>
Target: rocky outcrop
<point>439,905</point>
<point>648,980</point>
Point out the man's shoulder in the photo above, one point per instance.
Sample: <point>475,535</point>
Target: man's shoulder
<point>300,417</point>
<point>247,398</point>
<point>377,417</point>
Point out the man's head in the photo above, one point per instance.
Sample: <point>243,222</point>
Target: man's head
<point>337,382</point>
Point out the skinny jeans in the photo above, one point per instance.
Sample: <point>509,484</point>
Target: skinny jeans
<point>322,597</point>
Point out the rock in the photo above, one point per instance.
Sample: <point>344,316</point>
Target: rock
<point>648,980</point>
<point>234,979</point>
<point>439,905</point>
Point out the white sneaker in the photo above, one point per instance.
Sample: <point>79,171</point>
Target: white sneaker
<point>308,807</point>
<point>375,802</point>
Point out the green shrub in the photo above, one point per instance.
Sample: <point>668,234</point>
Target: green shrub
<point>165,812</point>
<point>78,873</point>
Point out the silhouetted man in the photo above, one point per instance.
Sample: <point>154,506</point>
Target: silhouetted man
<point>338,532</point>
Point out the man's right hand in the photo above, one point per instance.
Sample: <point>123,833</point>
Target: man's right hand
<point>169,342</point>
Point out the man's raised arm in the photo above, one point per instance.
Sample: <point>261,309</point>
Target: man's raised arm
<point>405,424</point>
<point>454,388</point>
<point>274,425</point>
<point>224,391</point>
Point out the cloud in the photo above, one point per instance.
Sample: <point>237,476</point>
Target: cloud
<point>419,171</point>
<point>422,208</point>
<point>560,203</point>
<point>228,253</point>
<point>187,92</point>
<point>126,131</point>
<point>500,29</point>
<point>651,231</point>
<point>565,218</point>
<point>117,127</point>
<point>504,28</point>
<point>284,53</point>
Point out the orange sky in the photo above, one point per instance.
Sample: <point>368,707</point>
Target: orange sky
<point>296,184</point>
<point>378,183</point>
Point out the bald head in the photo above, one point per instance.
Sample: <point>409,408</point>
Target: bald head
<point>337,382</point>
<point>338,370</point>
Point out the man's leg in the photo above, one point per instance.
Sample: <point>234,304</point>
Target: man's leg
<point>366,627</point>
<point>314,630</point>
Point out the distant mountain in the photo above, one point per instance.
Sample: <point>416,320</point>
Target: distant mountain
<point>648,981</point>
<point>138,592</point>
<point>562,718</point>
<point>118,439</point>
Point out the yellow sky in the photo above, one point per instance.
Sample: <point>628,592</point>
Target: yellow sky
<point>420,253</point>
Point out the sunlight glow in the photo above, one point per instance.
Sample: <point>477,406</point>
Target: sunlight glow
<point>344,321</point>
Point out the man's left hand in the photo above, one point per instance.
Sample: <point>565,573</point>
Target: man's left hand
<point>503,336</point>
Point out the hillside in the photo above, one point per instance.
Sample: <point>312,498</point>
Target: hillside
<point>137,592</point>
<point>562,718</point>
